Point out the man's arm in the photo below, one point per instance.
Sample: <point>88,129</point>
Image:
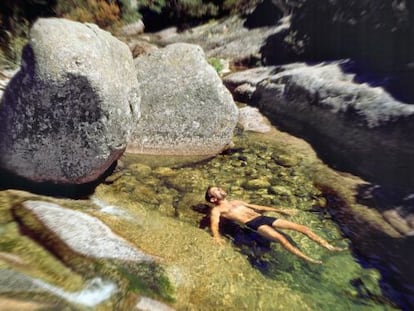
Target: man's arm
<point>214,225</point>
<point>270,209</point>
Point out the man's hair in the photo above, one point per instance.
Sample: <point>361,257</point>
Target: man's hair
<point>208,195</point>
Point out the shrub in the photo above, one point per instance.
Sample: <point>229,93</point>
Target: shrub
<point>100,12</point>
<point>216,63</point>
<point>239,6</point>
<point>129,14</point>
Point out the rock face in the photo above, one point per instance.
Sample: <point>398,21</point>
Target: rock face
<point>140,47</point>
<point>66,115</point>
<point>250,119</point>
<point>133,29</point>
<point>377,34</point>
<point>353,126</point>
<point>229,39</point>
<point>186,110</point>
<point>75,232</point>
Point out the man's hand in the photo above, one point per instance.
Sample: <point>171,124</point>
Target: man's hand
<point>288,212</point>
<point>219,241</point>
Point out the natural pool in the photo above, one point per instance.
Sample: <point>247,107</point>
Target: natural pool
<point>158,206</point>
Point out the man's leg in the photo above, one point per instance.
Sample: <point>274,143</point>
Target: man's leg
<point>271,234</point>
<point>284,224</point>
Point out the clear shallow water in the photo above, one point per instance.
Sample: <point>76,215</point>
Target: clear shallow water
<point>159,207</point>
<point>249,273</point>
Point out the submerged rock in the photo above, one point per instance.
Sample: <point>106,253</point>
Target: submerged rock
<point>186,110</point>
<point>148,304</point>
<point>73,233</point>
<point>22,304</point>
<point>66,115</point>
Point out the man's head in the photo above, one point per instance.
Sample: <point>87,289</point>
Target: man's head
<point>215,194</point>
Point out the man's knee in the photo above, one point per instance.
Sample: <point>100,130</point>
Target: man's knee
<point>304,229</point>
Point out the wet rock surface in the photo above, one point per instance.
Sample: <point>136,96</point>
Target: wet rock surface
<point>146,303</point>
<point>81,233</point>
<point>93,294</point>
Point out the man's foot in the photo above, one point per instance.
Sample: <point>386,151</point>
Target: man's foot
<point>318,262</point>
<point>334,248</point>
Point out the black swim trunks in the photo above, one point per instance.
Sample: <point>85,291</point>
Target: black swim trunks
<point>259,221</point>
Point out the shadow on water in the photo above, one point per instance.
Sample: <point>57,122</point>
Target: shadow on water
<point>248,242</point>
<point>9,180</point>
<point>372,248</point>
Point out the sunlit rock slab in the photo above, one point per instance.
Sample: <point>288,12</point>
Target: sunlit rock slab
<point>77,232</point>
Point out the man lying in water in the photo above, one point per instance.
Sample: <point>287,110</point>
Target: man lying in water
<point>246,214</point>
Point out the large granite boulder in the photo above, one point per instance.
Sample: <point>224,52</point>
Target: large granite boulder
<point>66,115</point>
<point>353,126</point>
<point>186,109</point>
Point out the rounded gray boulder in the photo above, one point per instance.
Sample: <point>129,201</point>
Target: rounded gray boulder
<point>186,109</point>
<point>66,115</point>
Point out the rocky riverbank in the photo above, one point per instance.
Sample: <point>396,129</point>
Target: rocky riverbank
<point>154,208</point>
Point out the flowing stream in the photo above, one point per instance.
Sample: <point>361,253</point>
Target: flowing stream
<point>157,204</point>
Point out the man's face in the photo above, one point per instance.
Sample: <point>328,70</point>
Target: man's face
<point>218,194</point>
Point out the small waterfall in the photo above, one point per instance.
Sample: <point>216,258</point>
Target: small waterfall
<point>95,292</point>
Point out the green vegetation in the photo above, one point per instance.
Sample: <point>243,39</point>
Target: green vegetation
<point>16,17</point>
<point>103,13</point>
<point>216,63</point>
<point>148,279</point>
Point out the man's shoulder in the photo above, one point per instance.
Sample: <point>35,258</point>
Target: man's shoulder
<point>236,202</point>
<point>215,209</point>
